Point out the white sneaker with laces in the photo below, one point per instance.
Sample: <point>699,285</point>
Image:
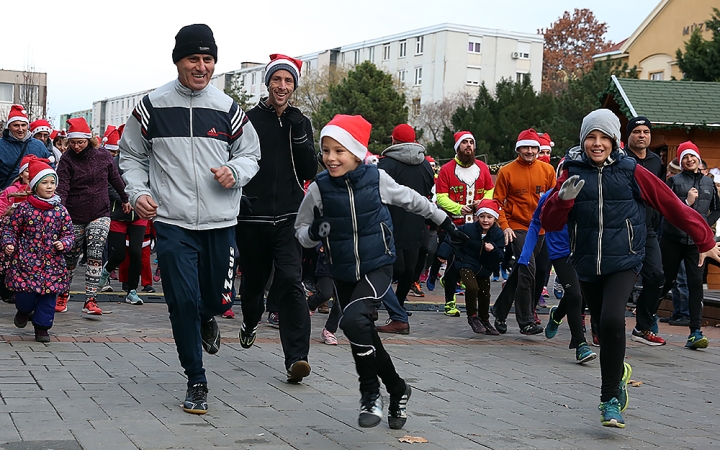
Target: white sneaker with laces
<point>328,337</point>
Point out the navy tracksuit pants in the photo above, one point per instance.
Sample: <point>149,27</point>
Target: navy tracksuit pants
<point>198,270</point>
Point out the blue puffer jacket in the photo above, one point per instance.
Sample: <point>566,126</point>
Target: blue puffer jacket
<point>10,148</point>
<point>607,224</point>
<point>473,255</point>
<point>361,233</point>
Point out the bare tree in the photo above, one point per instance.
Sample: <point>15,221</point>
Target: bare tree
<point>30,95</point>
<point>314,86</point>
<point>434,117</point>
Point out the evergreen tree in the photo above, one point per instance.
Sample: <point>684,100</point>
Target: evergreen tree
<point>371,93</point>
<point>701,60</point>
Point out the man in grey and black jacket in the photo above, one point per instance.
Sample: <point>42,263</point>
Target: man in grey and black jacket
<point>186,152</point>
<point>265,233</point>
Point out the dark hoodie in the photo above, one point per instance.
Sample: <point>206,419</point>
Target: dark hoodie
<point>406,164</point>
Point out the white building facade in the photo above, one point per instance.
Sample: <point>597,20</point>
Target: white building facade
<point>433,63</point>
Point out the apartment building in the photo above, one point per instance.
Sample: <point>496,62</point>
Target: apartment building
<point>26,88</point>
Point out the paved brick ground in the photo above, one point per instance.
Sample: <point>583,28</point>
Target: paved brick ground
<point>115,383</point>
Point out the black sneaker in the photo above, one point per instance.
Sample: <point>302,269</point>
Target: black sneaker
<point>531,329</point>
<point>297,371</point>
<point>371,409</point>
<point>148,288</point>
<point>196,399</point>
<point>247,338</point>
<point>501,326</point>
<point>210,334</point>
<point>397,411</point>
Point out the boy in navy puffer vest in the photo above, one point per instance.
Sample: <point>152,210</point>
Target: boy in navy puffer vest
<point>345,209</point>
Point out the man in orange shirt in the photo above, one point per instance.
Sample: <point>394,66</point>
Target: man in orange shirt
<point>518,188</point>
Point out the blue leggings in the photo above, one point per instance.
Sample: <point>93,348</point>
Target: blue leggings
<point>43,306</point>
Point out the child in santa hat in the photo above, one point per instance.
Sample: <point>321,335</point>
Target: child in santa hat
<point>475,261</point>
<point>345,209</point>
<point>39,232</point>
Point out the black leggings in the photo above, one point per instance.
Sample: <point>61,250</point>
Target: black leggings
<point>571,303</point>
<point>325,290</point>
<point>404,272</point>
<point>358,300</point>
<point>116,243</point>
<point>606,299</point>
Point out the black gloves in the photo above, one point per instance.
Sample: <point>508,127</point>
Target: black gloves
<point>319,228</point>
<point>246,205</point>
<point>296,120</point>
<point>456,237</point>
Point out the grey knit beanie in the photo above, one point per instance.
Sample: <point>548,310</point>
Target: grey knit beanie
<point>602,120</point>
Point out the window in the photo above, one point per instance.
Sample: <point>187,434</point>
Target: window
<point>657,76</point>
<point>419,45</point>
<point>523,50</point>
<point>386,52</point>
<point>418,76</point>
<point>521,77</point>
<point>356,56</point>
<point>403,49</point>
<point>29,95</point>
<point>371,54</point>
<point>473,76</point>
<point>6,92</point>
<point>254,78</point>
<point>474,45</point>
<point>401,76</point>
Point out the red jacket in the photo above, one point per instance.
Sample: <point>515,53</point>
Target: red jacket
<point>452,193</point>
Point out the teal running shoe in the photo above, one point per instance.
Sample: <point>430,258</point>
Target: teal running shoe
<point>610,414</point>
<point>552,326</point>
<point>696,340</point>
<point>583,353</point>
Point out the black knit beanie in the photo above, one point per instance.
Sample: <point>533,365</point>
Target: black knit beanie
<point>192,39</point>
<point>636,122</point>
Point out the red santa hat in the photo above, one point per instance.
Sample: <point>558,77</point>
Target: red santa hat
<point>39,126</point>
<point>352,132</point>
<point>527,138</point>
<point>403,133</point>
<point>283,62</point>
<point>430,159</point>
<point>17,113</point>
<point>25,163</point>
<point>489,206</point>
<point>111,138</point>
<point>461,136</point>
<point>687,148</point>
<point>546,142</point>
<point>78,129</point>
<point>120,130</point>
<point>39,169</point>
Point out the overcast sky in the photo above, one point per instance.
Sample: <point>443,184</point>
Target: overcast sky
<point>91,50</point>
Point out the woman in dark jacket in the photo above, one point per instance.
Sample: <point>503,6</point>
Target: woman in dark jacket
<point>83,173</point>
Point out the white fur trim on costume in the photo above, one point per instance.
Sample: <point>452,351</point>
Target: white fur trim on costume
<point>689,151</point>
<point>280,61</point>
<point>492,212</point>
<point>527,143</point>
<point>345,139</point>
<point>41,129</point>
<point>23,167</point>
<point>79,135</point>
<point>16,118</point>
<point>40,176</point>
<point>462,138</point>
<point>112,147</point>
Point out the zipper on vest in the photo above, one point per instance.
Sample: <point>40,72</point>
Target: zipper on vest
<point>600,220</point>
<point>192,147</point>
<point>631,235</point>
<point>351,194</point>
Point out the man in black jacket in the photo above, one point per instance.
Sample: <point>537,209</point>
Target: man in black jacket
<point>639,135</point>
<point>405,162</point>
<point>265,234</point>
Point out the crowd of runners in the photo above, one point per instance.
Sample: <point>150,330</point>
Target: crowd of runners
<point>222,191</point>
